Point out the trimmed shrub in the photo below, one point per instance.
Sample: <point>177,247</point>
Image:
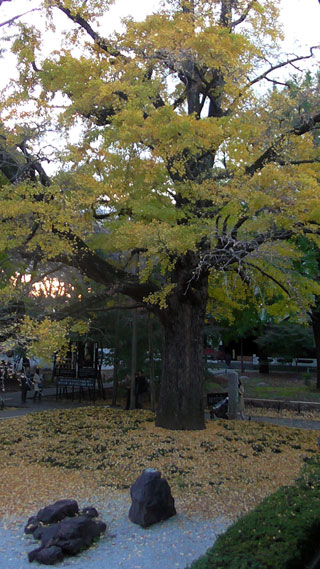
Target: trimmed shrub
<point>281,533</point>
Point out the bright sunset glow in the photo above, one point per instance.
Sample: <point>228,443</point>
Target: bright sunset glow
<point>47,287</point>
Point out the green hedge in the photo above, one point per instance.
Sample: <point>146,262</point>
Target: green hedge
<point>283,532</point>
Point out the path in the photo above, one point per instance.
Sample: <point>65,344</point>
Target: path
<point>286,422</point>
<point>14,408</point>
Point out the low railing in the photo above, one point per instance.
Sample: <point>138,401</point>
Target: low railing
<point>280,404</point>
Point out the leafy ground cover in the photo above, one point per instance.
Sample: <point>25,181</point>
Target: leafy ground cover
<point>98,452</point>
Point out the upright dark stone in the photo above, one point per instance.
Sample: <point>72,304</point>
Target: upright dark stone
<point>151,498</point>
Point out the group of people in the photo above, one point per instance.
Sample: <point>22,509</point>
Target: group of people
<point>28,383</point>
<point>6,371</point>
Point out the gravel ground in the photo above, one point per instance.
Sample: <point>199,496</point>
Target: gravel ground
<point>172,544</point>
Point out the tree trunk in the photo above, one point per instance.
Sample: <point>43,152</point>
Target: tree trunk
<point>181,405</point>
<point>151,364</point>
<point>116,358</point>
<point>241,356</point>
<point>133,360</point>
<point>315,317</point>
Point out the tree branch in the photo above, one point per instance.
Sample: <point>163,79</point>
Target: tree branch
<point>270,70</point>
<point>282,64</point>
<point>11,20</point>
<point>268,276</point>
<point>244,15</point>
<point>297,162</point>
<point>88,262</point>
<point>89,304</point>
<point>271,153</point>
<point>236,227</point>
<point>77,19</point>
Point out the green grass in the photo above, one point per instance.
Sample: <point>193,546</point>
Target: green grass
<point>292,391</point>
<point>281,387</point>
<point>276,385</point>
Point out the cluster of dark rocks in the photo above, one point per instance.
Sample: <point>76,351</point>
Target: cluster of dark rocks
<point>63,530</point>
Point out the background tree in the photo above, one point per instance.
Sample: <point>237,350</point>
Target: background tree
<point>287,340</point>
<point>177,157</point>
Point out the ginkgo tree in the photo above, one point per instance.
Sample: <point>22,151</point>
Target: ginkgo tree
<point>175,168</point>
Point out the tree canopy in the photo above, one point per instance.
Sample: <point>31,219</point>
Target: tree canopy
<point>171,158</point>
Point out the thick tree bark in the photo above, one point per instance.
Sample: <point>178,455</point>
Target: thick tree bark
<point>151,364</point>
<point>181,395</point>
<point>133,360</point>
<point>116,358</point>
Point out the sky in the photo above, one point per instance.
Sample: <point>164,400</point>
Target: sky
<point>300,18</point>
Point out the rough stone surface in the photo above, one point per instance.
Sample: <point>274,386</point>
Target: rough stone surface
<point>46,556</point>
<point>57,511</point>
<point>32,524</point>
<point>72,528</point>
<point>90,512</point>
<point>151,497</point>
<point>68,536</point>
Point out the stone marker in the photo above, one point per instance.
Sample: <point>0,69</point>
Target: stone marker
<point>232,394</point>
<point>151,498</point>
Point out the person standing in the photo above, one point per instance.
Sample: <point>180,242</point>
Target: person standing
<point>3,374</point>
<point>228,359</point>
<point>241,400</point>
<point>24,387</point>
<point>37,385</point>
<point>127,385</point>
<point>141,387</point>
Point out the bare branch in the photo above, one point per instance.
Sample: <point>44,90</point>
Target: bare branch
<point>268,155</point>
<point>276,82</point>
<point>268,276</point>
<point>100,216</point>
<point>271,153</point>
<point>77,19</point>
<point>282,64</point>
<point>225,223</point>
<point>297,162</point>
<point>244,15</point>
<point>236,227</point>
<point>89,304</point>
<point>307,126</point>
<point>11,20</point>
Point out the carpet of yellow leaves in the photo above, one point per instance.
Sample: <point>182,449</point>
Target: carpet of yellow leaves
<point>96,453</point>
